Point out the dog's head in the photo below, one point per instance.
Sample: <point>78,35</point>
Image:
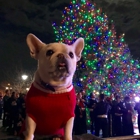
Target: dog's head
<point>56,61</point>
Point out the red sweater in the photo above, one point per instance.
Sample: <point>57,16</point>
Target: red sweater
<point>50,111</point>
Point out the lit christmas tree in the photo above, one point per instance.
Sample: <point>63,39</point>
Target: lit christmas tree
<point>106,65</point>
<point>103,53</point>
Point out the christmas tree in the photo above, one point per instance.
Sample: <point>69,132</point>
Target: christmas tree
<point>106,65</point>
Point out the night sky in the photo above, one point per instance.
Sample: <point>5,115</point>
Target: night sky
<point>20,17</point>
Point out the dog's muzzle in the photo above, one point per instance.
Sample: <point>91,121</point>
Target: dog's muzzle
<point>62,63</point>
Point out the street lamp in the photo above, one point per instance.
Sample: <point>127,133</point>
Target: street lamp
<point>8,87</point>
<point>24,84</point>
<point>27,89</point>
<point>24,77</point>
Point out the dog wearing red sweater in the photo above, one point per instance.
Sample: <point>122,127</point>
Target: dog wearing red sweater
<point>51,100</point>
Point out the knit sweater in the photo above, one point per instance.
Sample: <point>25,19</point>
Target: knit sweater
<point>50,111</point>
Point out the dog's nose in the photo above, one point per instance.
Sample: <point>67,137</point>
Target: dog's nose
<point>60,55</point>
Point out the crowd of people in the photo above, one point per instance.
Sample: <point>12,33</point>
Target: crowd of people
<point>12,111</point>
<point>111,115</point>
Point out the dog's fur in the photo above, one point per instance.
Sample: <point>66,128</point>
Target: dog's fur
<point>56,67</point>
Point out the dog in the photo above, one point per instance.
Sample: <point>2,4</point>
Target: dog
<point>51,99</point>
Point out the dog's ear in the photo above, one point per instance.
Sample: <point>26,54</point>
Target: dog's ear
<point>34,45</point>
<point>79,46</point>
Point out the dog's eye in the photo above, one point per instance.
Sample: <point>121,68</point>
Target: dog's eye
<point>49,52</point>
<point>71,55</point>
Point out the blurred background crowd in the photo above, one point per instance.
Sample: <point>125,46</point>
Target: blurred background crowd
<point>12,111</point>
<point>114,115</point>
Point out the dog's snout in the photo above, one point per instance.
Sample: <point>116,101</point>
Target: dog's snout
<point>60,55</point>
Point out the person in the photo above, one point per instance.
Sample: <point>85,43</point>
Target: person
<point>91,105</point>
<point>137,108</point>
<point>113,98</point>
<point>113,104</point>
<point>80,116</point>
<point>13,112</point>
<point>109,101</point>
<point>84,97</point>
<point>118,112</point>
<point>22,105</point>
<point>127,117</point>
<point>5,108</point>
<point>101,113</point>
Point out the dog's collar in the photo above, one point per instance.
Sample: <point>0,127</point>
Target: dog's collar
<point>50,89</point>
<point>47,86</point>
